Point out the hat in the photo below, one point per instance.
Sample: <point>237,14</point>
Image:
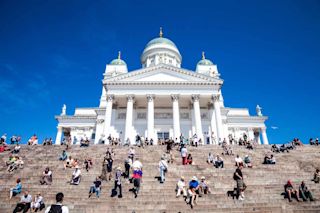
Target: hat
<point>247,156</point>
<point>203,178</point>
<point>194,178</point>
<point>118,168</point>
<point>182,178</point>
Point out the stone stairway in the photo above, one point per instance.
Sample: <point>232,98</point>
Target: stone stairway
<point>265,182</point>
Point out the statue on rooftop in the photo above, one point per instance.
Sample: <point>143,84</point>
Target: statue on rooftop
<point>64,109</point>
<point>258,110</point>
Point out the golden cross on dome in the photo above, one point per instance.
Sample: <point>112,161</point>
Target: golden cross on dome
<point>161,33</point>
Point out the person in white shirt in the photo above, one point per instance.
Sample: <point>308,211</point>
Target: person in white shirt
<point>3,138</point>
<point>137,165</point>
<point>137,175</point>
<point>163,167</point>
<point>36,205</point>
<point>184,154</point>
<point>58,207</point>
<point>76,176</point>
<point>210,158</point>
<point>46,177</point>
<point>131,153</point>
<point>238,161</point>
<point>181,188</point>
<point>24,204</point>
<point>16,149</point>
<point>218,162</point>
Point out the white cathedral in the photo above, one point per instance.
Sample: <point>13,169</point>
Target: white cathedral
<point>161,101</point>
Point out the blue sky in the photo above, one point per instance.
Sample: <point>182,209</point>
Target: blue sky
<point>54,52</point>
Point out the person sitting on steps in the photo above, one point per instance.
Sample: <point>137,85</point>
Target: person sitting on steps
<point>189,159</point>
<point>76,176</point>
<point>63,156</point>
<point>238,161</point>
<point>17,189</point>
<point>218,163</point>
<point>181,188</point>
<point>316,176</point>
<point>291,191</point>
<point>193,191</point>
<point>210,159</point>
<point>95,188</point>
<point>46,177</point>
<point>247,161</point>
<point>203,186</point>
<point>70,162</point>
<point>58,207</point>
<point>305,192</point>
<point>16,149</point>
<point>24,204</point>
<point>37,204</point>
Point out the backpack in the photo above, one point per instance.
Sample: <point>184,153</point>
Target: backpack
<point>55,209</point>
<point>235,177</point>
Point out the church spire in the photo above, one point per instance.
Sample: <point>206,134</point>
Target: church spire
<point>203,55</point>
<point>119,55</point>
<point>160,33</point>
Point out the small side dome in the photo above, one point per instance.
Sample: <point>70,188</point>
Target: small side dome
<point>207,67</point>
<point>116,67</point>
<point>205,61</point>
<point>118,61</point>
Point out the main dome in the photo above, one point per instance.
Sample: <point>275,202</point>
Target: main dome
<point>160,50</point>
<point>160,40</point>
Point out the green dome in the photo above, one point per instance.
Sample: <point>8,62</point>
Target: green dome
<point>160,40</point>
<point>205,62</point>
<point>118,62</point>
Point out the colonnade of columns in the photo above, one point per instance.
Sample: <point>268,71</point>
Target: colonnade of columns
<point>216,122</point>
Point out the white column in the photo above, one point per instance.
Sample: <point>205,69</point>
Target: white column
<point>99,130</point>
<point>197,116</point>
<point>214,128</point>
<point>176,116</point>
<point>107,117</point>
<point>150,99</point>
<point>216,104</point>
<point>264,136</point>
<point>59,135</point>
<point>250,134</point>
<point>129,116</point>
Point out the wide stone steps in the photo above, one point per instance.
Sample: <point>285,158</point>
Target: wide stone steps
<point>265,182</point>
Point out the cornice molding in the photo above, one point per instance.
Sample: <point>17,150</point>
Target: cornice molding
<point>210,80</point>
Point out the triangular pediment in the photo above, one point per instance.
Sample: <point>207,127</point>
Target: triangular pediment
<point>163,73</point>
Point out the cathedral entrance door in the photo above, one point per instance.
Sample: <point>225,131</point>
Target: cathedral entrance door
<point>163,135</point>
